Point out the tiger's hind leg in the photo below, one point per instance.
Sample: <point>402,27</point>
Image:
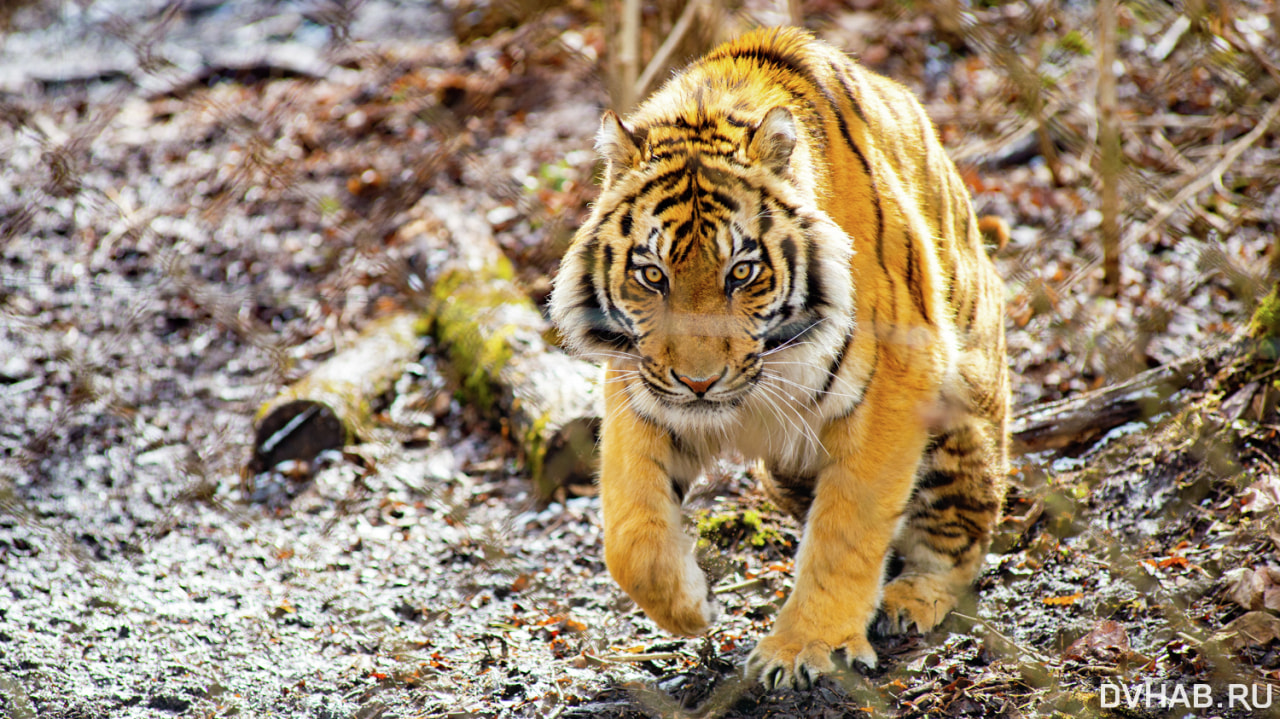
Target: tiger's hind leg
<point>791,494</point>
<point>948,525</point>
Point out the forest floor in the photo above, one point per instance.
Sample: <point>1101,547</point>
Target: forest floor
<point>199,203</point>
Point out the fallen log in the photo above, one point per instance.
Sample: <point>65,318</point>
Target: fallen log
<point>331,405</point>
<point>1082,419</point>
<point>497,346</point>
<point>501,347</point>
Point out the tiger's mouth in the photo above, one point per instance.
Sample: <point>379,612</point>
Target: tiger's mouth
<point>721,400</point>
<point>703,405</point>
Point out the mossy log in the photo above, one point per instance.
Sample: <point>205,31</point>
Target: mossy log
<point>502,348</point>
<point>331,405</point>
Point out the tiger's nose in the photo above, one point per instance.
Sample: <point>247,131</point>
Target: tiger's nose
<point>699,386</point>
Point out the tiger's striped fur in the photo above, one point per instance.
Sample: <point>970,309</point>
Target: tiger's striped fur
<point>784,262</point>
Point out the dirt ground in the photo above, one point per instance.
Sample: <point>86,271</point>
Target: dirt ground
<point>199,203</point>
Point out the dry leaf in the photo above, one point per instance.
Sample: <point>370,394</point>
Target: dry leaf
<point>1261,496</point>
<point>1255,629</point>
<point>1107,642</point>
<point>1256,588</point>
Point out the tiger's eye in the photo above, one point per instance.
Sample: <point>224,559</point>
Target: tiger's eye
<point>652,275</point>
<point>741,271</point>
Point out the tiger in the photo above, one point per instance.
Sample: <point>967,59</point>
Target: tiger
<point>783,262</point>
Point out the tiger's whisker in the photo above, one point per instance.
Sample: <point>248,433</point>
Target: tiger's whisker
<point>797,336</point>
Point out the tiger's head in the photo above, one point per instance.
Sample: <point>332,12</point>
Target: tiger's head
<point>706,269</point>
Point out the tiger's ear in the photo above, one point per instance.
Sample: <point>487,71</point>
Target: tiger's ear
<point>616,143</point>
<point>773,139</point>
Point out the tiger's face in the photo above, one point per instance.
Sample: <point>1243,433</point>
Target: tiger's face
<point>701,276</point>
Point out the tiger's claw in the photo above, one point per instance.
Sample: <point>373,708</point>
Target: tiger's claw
<point>779,663</point>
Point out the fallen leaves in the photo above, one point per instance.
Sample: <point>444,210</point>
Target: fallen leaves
<point>1255,629</point>
<point>1254,588</point>
<point>1107,642</point>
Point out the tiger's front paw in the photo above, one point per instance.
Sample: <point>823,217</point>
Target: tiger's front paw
<point>674,597</point>
<point>917,601</point>
<point>793,659</point>
<point>688,612</point>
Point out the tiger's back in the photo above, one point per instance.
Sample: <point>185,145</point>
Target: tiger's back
<point>784,261</point>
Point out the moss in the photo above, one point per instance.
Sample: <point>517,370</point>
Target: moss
<point>1075,43</point>
<point>463,298</point>
<point>727,528</point>
<point>1266,319</point>
<point>1265,325</point>
<point>535,452</point>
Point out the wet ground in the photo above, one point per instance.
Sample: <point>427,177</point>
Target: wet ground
<point>198,205</point>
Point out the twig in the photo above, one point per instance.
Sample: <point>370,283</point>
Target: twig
<point>628,54</point>
<point>795,12</point>
<point>913,692</point>
<point>632,658</point>
<point>1202,180</point>
<point>740,586</point>
<point>1210,177</point>
<point>1268,373</point>
<point>1025,650</point>
<point>668,46</point>
<point>1190,639</point>
<point>1110,156</point>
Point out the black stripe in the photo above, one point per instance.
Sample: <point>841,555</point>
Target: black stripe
<point>957,553</point>
<point>842,71</point>
<point>973,313</point>
<point>590,304</point>
<point>795,65</point>
<point>934,479</point>
<point>768,256</point>
<point>947,530</point>
<point>875,367</point>
<point>720,198</point>
<point>684,229</point>
<point>913,283</point>
<point>866,166</point>
<point>770,56</point>
<point>604,324</point>
<point>611,311</point>
<point>667,142</point>
<point>700,138</point>
<point>961,502</point>
<point>815,289</point>
<point>667,177</point>
<point>677,488</point>
<point>670,201</point>
<point>795,330</point>
<point>624,225</point>
<point>834,368</point>
<point>788,246</point>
